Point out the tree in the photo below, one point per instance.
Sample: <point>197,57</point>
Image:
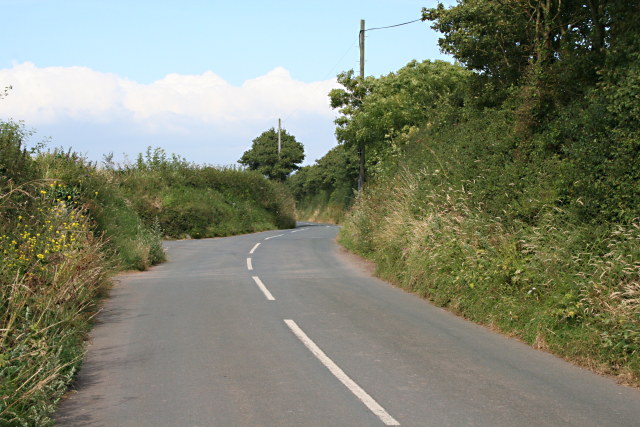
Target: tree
<point>492,37</point>
<point>506,38</point>
<point>264,158</point>
<point>552,51</point>
<point>379,112</point>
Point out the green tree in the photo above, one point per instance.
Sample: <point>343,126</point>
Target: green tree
<point>336,169</point>
<point>550,50</point>
<point>492,37</point>
<point>264,157</point>
<point>380,112</point>
<point>505,38</point>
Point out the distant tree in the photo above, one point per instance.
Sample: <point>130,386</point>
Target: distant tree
<point>335,170</point>
<point>264,158</point>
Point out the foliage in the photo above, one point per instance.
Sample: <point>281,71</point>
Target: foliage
<point>325,190</point>
<point>379,113</point>
<point>188,200</point>
<point>515,202</point>
<point>51,270</point>
<point>66,226</point>
<point>504,54</point>
<point>81,184</point>
<point>524,34</point>
<point>572,289</point>
<point>264,158</point>
<point>550,52</point>
<point>16,165</point>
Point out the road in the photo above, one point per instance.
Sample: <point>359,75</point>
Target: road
<point>282,328</point>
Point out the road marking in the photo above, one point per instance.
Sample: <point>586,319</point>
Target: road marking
<point>273,237</point>
<point>364,397</point>
<point>254,248</point>
<point>249,265</point>
<point>263,288</point>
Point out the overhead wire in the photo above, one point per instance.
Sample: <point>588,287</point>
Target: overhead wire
<point>391,26</point>
<point>358,43</point>
<point>388,26</point>
<point>340,60</point>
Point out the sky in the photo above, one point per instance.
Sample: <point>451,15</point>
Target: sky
<point>197,78</point>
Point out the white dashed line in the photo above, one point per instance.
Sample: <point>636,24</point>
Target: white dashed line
<point>364,397</point>
<point>273,237</point>
<point>254,248</point>
<point>263,288</point>
<point>249,264</point>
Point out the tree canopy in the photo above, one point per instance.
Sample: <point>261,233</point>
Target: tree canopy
<point>379,112</point>
<point>263,155</point>
<point>561,78</point>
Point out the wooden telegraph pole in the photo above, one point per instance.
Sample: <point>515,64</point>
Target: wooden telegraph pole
<point>361,145</point>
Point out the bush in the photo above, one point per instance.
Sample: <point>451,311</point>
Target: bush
<point>81,184</point>
<point>16,165</point>
<point>188,200</point>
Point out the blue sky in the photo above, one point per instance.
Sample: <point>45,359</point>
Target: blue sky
<point>198,78</point>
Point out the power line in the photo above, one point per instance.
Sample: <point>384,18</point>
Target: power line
<point>361,145</point>
<point>391,26</point>
<point>388,26</point>
<point>358,43</point>
<point>340,60</point>
<point>328,73</point>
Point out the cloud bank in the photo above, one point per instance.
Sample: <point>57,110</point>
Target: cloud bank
<point>194,112</point>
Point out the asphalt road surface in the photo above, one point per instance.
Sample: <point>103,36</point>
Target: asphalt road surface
<point>282,328</point>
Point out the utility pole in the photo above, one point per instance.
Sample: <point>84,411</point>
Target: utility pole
<point>279,139</point>
<point>361,145</point>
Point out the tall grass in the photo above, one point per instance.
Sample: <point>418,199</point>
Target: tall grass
<point>82,184</point>
<point>569,288</point>
<point>51,270</point>
<point>67,225</point>
<point>324,206</point>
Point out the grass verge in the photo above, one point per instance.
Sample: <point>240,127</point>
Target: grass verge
<point>570,289</point>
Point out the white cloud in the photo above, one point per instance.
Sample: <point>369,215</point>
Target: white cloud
<point>51,94</point>
<point>43,95</point>
<point>187,114</point>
